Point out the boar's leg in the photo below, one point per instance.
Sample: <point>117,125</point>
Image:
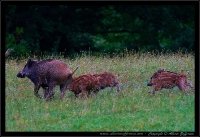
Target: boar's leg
<point>62,90</point>
<point>36,89</point>
<point>45,89</point>
<point>84,94</point>
<point>189,84</point>
<point>182,85</point>
<point>155,88</point>
<point>96,91</point>
<point>76,94</point>
<point>46,94</point>
<point>151,92</point>
<point>118,87</point>
<point>49,91</point>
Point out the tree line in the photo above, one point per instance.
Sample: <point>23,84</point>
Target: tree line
<point>69,29</point>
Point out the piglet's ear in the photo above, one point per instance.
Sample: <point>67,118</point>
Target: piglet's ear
<point>182,72</point>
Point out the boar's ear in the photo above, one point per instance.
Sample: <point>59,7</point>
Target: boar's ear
<point>160,70</point>
<point>182,72</point>
<point>30,62</point>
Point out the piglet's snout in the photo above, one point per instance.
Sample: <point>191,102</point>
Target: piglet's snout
<point>149,84</point>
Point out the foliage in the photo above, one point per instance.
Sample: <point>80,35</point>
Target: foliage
<point>133,109</point>
<point>109,28</point>
<point>20,48</point>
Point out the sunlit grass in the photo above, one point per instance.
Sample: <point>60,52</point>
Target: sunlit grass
<point>131,110</point>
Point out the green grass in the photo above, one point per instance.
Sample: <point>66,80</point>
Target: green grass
<point>131,110</point>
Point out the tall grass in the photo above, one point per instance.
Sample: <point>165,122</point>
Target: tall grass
<point>133,109</point>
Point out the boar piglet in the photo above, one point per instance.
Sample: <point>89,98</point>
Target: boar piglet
<point>85,84</point>
<point>167,79</point>
<point>107,79</point>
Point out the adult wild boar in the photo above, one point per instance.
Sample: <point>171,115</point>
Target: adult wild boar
<point>47,74</point>
<point>167,79</point>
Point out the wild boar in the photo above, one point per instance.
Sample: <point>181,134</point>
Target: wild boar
<point>167,79</point>
<point>107,79</point>
<point>85,84</point>
<point>47,74</point>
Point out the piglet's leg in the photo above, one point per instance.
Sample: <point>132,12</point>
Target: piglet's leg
<point>155,88</point>
<point>152,91</point>
<point>182,85</point>
<point>189,84</point>
<point>76,95</point>
<point>118,87</point>
<point>83,94</point>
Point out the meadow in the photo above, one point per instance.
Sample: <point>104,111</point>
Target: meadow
<point>132,109</point>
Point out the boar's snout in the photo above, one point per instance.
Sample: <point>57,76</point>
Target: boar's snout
<point>20,75</point>
<point>149,84</point>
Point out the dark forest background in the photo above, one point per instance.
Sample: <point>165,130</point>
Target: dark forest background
<point>65,29</point>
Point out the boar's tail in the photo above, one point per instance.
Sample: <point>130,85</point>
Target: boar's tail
<point>75,70</point>
<point>70,75</point>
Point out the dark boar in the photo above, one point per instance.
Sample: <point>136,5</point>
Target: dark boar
<point>167,79</point>
<point>47,74</point>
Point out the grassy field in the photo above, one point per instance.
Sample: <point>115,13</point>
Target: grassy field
<point>133,109</point>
